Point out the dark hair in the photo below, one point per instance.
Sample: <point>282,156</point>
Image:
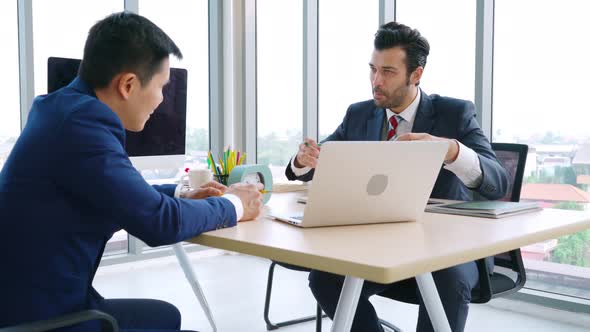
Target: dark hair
<point>124,42</point>
<point>395,34</point>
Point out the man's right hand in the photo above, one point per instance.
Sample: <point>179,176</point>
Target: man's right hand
<point>308,154</point>
<point>251,199</point>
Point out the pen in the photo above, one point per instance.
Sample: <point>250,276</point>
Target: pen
<point>307,144</point>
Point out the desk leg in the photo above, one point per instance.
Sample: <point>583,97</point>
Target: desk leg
<point>191,277</point>
<point>434,306</point>
<point>349,299</point>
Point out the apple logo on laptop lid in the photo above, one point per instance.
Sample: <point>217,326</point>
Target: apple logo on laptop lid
<point>377,184</point>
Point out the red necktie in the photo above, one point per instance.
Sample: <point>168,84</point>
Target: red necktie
<point>394,123</point>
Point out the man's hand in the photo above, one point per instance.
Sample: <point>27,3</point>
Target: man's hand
<point>452,151</point>
<point>251,199</point>
<point>209,189</point>
<point>308,154</point>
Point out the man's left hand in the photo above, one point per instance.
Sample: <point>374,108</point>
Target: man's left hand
<point>209,189</point>
<point>452,151</point>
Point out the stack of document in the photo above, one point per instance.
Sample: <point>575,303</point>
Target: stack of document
<point>485,209</point>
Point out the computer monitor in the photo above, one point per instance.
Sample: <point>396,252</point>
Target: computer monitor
<point>161,144</point>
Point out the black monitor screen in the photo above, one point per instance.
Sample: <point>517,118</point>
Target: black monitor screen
<point>165,131</point>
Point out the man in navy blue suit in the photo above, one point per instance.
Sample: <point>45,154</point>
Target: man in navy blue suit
<point>68,185</point>
<point>400,111</point>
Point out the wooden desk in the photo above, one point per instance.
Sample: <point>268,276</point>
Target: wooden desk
<point>415,248</point>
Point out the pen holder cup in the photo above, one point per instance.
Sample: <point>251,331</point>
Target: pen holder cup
<point>221,179</point>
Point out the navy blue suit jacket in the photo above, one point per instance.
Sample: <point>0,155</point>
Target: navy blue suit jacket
<point>66,187</point>
<point>438,116</point>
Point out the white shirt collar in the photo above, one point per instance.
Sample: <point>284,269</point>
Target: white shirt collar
<point>410,112</point>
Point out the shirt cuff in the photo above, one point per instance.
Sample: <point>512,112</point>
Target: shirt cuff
<point>299,171</point>
<point>237,203</point>
<point>466,167</point>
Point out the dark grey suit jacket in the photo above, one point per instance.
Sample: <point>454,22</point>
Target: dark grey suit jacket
<point>438,116</point>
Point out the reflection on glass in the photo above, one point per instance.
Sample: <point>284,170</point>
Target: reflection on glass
<point>9,85</point>
<point>187,23</point>
<point>536,102</point>
<point>449,27</point>
<point>345,47</point>
<point>280,82</point>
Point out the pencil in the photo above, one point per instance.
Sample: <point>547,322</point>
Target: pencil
<point>210,156</point>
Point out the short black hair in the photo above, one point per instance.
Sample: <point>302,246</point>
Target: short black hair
<point>124,42</point>
<point>395,34</point>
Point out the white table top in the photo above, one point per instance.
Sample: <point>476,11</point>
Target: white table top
<point>394,251</point>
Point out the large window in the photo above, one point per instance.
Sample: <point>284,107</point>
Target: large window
<point>346,33</point>
<point>60,28</point>
<point>540,80</point>
<point>280,82</point>
<point>9,85</point>
<point>449,27</point>
<point>187,23</point>
<point>59,32</point>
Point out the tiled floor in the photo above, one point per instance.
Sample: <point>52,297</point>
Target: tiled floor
<point>235,284</point>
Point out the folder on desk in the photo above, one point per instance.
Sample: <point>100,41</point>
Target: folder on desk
<point>485,209</point>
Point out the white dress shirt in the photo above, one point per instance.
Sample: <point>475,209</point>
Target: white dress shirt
<point>466,167</point>
<point>237,203</point>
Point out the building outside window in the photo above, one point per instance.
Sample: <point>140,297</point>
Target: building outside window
<point>539,86</point>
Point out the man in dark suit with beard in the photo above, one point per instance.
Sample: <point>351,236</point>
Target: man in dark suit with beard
<point>401,111</point>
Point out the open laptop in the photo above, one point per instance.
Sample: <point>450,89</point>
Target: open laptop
<point>370,182</point>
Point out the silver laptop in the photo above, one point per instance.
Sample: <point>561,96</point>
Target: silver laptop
<point>370,182</point>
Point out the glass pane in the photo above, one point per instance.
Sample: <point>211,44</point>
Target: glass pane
<point>187,23</point>
<point>536,102</point>
<point>280,82</point>
<point>56,32</point>
<point>449,27</point>
<point>345,47</point>
<point>10,112</point>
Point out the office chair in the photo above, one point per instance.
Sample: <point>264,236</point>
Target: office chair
<point>273,326</point>
<point>511,276</point>
<point>109,324</point>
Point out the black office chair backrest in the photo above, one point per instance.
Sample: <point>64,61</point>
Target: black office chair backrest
<point>513,158</point>
<point>495,283</point>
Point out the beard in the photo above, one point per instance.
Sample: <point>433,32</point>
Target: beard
<point>393,99</point>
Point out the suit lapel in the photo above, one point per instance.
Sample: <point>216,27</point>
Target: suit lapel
<point>424,120</point>
<point>375,124</point>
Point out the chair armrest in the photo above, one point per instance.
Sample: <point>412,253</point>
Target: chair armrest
<point>66,320</point>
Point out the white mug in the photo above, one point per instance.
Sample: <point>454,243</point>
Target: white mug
<point>197,177</point>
